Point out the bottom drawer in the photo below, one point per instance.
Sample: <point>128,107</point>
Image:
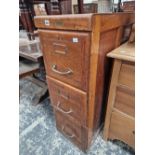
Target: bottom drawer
<point>71,129</point>
<point>122,128</point>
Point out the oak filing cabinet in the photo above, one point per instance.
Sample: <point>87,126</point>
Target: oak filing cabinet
<point>74,50</point>
<point>120,115</point>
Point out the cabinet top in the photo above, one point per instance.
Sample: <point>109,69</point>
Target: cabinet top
<point>124,52</point>
<point>82,22</point>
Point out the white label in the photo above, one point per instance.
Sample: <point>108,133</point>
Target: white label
<point>47,22</point>
<point>75,40</point>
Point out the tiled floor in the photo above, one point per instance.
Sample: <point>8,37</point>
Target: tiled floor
<point>38,134</point>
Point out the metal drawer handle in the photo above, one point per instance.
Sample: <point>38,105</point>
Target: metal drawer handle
<point>54,69</point>
<point>65,112</point>
<point>70,136</point>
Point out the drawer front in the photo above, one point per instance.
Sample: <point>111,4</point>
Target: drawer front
<point>125,100</point>
<point>65,22</point>
<point>127,75</point>
<point>68,100</point>
<point>71,129</point>
<point>122,128</point>
<point>66,56</point>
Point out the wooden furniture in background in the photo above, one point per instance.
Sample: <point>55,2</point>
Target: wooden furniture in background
<point>26,20</point>
<point>31,8</point>
<point>27,68</point>
<point>30,50</point>
<point>87,8</point>
<point>45,7</point>
<point>128,6</point>
<point>74,50</point>
<point>65,6</point>
<point>120,114</point>
<point>80,6</point>
<point>39,9</point>
<point>31,63</point>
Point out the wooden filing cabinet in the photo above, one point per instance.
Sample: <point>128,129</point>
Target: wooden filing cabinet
<point>74,50</point>
<point>120,114</point>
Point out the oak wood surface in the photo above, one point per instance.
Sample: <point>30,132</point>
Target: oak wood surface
<point>107,42</point>
<point>124,52</point>
<point>84,22</point>
<point>116,20</point>
<point>127,74</point>
<point>68,99</point>
<point>98,34</point>
<point>122,128</point>
<point>69,128</point>
<point>72,130</point>
<point>65,22</point>
<point>92,75</point>
<point>125,100</point>
<point>120,113</point>
<point>111,97</point>
<point>68,51</point>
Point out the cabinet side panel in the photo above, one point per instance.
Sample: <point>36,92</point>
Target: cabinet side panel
<point>112,28</point>
<point>107,43</point>
<point>94,51</point>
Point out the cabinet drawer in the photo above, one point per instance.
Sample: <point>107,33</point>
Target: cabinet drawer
<point>68,100</point>
<point>66,56</point>
<point>71,129</point>
<point>122,128</point>
<point>125,100</point>
<point>127,74</point>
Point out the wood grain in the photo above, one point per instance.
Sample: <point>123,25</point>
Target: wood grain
<point>124,52</point>
<point>65,22</point>
<point>92,75</point>
<point>72,130</point>
<point>119,121</point>
<point>88,84</point>
<point>111,97</point>
<point>116,20</point>
<point>125,100</point>
<point>122,128</point>
<point>69,99</point>
<point>69,55</point>
<point>127,74</point>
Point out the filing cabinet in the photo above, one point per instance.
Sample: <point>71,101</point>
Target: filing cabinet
<point>74,50</point>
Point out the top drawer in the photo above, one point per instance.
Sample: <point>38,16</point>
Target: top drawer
<point>65,22</point>
<point>66,56</point>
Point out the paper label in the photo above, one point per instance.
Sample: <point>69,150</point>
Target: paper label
<point>75,40</point>
<point>47,22</point>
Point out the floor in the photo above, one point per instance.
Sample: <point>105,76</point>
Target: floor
<point>39,136</point>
